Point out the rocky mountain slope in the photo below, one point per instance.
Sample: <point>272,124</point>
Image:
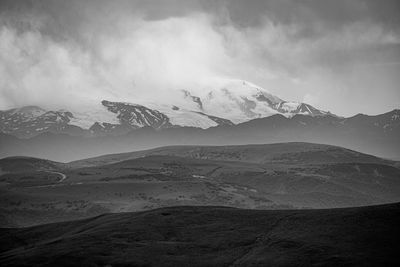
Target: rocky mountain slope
<point>31,120</point>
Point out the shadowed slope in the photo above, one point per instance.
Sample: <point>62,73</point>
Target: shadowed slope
<point>212,236</point>
<point>19,164</point>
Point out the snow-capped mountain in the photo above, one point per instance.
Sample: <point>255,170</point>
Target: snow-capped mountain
<point>31,120</point>
<point>228,103</point>
<point>240,101</point>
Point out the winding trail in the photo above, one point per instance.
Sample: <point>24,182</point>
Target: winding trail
<point>63,176</point>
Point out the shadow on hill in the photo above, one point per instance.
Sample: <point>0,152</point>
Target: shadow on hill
<point>212,236</point>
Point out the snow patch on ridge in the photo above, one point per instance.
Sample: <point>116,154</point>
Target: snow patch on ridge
<point>97,113</point>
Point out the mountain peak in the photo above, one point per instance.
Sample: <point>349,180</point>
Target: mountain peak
<point>29,111</point>
<point>240,101</point>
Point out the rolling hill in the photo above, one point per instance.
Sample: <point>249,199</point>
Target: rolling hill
<point>274,176</point>
<point>291,152</point>
<point>212,236</point>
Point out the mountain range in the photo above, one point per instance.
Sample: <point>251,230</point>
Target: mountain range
<point>378,135</point>
<point>234,102</point>
<point>236,113</point>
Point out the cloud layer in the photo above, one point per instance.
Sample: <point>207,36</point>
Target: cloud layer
<point>344,58</point>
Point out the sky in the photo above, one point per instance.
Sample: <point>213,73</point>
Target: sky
<point>342,56</point>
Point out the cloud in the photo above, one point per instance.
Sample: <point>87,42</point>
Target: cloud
<point>68,54</point>
<point>37,70</point>
<point>141,60</point>
<point>163,54</point>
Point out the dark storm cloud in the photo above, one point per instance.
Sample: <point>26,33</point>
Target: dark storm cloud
<point>327,14</point>
<point>313,16</point>
<point>324,52</point>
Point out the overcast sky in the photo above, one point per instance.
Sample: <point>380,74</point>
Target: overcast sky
<point>341,56</point>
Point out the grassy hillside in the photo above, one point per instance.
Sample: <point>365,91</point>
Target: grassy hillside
<point>212,236</point>
<point>294,152</point>
<point>278,176</point>
<point>26,164</point>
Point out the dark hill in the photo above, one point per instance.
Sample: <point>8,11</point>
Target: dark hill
<point>212,236</point>
<point>26,164</point>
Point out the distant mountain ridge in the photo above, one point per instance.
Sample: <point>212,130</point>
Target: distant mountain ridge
<point>378,135</point>
<point>236,112</point>
<point>231,103</point>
